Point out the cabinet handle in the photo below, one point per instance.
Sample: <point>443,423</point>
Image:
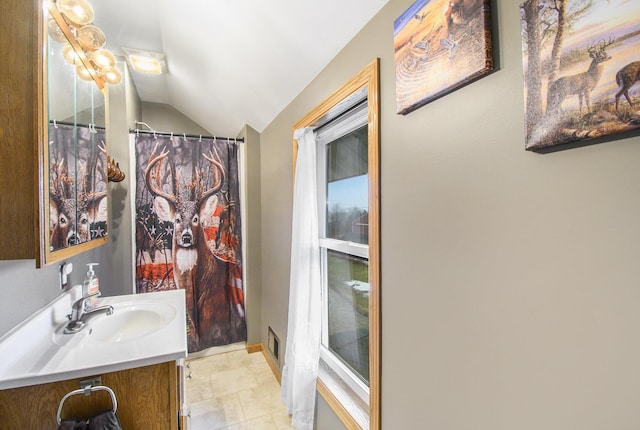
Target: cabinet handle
<point>189,376</point>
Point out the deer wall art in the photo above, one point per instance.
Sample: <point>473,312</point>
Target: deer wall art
<point>579,59</point>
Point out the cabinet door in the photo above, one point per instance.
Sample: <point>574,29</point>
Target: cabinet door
<point>146,398</point>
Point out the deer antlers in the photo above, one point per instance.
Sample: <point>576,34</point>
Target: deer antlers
<point>153,172</point>
<point>601,46</point>
<point>153,188</point>
<point>114,174</point>
<point>218,174</point>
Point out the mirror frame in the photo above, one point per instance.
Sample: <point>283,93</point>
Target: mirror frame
<point>44,254</point>
<point>368,77</point>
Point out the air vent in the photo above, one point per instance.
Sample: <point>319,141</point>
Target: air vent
<point>273,345</point>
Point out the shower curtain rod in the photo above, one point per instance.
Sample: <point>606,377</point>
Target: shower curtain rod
<point>55,123</point>
<point>200,136</point>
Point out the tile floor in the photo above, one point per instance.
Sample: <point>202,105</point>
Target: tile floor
<point>234,391</point>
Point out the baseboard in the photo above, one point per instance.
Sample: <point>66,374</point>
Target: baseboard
<point>256,347</point>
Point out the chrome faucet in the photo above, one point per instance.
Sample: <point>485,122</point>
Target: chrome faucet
<point>81,313</point>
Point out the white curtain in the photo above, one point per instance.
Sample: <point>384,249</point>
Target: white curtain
<point>303,334</point>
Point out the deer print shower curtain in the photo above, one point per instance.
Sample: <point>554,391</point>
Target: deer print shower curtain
<point>188,231</point>
<point>77,184</point>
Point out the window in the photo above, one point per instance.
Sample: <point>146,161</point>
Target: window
<point>346,127</point>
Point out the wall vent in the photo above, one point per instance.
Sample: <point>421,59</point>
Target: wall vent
<point>273,344</point>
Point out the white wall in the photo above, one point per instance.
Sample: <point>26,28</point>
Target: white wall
<point>509,278</point>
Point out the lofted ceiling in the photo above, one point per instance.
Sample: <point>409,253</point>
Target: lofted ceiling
<point>232,62</point>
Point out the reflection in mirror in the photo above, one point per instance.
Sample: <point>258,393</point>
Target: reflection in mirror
<point>77,167</point>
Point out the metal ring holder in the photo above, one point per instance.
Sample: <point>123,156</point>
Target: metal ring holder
<point>86,391</point>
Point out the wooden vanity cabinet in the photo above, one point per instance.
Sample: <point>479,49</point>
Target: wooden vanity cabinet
<point>148,398</point>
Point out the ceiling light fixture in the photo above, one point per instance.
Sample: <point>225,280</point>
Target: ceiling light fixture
<point>153,63</point>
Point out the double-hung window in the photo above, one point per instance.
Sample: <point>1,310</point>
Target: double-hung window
<point>346,128</point>
<point>343,205</point>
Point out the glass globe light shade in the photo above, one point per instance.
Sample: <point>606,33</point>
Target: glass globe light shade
<point>79,12</point>
<point>70,55</point>
<point>103,59</point>
<point>55,32</point>
<point>83,73</point>
<point>112,76</point>
<point>91,37</point>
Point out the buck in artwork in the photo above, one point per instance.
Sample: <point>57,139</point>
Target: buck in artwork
<point>626,78</point>
<point>581,84</point>
<point>211,318</point>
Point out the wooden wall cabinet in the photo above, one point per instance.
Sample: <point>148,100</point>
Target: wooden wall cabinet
<point>148,398</point>
<point>35,174</point>
<point>20,96</point>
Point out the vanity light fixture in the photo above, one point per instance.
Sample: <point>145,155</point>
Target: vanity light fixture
<point>103,59</point>
<point>55,32</point>
<point>70,55</point>
<point>90,37</point>
<point>72,19</point>
<point>79,12</point>
<point>153,63</point>
<point>83,73</point>
<point>112,76</point>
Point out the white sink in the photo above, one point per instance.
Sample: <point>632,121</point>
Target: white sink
<point>144,329</point>
<point>130,321</point>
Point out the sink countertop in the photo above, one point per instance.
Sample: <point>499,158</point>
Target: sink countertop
<point>36,351</point>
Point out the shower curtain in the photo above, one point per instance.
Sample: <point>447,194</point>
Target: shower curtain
<point>188,231</point>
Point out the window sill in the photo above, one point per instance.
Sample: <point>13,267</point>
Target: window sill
<point>345,403</point>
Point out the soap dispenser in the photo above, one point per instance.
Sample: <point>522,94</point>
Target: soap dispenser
<point>91,285</point>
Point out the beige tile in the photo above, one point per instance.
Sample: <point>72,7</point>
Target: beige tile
<point>242,359</point>
<point>208,365</point>
<point>232,381</point>
<point>234,427</point>
<point>197,390</point>
<point>234,391</point>
<point>282,420</point>
<point>258,402</point>
<point>259,365</point>
<point>261,423</point>
<point>216,413</point>
<point>266,378</point>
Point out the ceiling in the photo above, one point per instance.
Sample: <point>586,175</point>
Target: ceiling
<point>232,62</point>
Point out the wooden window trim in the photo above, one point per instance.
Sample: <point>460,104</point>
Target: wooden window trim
<point>368,77</point>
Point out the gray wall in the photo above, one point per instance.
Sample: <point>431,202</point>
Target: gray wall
<point>509,278</point>
<point>162,117</point>
<point>253,237</point>
<point>26,289</point>
<point>123,109</point>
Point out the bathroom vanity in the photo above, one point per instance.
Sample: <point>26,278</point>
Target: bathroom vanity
<point>136,351</point>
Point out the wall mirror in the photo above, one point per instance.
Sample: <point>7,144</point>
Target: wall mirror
<point>73,188</point>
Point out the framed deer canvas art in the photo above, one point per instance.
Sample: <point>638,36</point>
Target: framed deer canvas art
<point>581,62</point>
<point>188,232</point>
<point>440,46</point>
